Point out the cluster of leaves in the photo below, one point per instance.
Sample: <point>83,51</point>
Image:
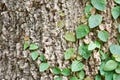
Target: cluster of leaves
<point>35,55</point>
<point>110,63</point>
<point>110,66</point>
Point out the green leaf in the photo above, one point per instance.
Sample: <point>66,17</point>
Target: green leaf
<point>118,38</point>
<point>70,37</point>
<point>69,53</point>
<point>117,1</point>
<point>117,57</point>
<point>116,77</point>
<point>102,72</point>
<point>42,57</point>
<point>81,75</point>
<point>33,46</point>
<point>56,70</point>
<point>98,77</point>
<point>34,55</point>
<point>110,65</point>
<point>58,78</point>
<point>66,72</point>
<point>26,44</point>
<point>82,31</point>
<point>84,52</point>
<point>88,8</point>
<point>74,78</point>
<point>115,12</point>
<point>119,28</point>
<point>93,45</point>
<point>109,75</point>
<point>99,4</point>
<point>94,20</point>
<point>117,70</point>
<point>43,67</point>
<point>104,56</point>
<point>76,66</point>
<point>88,78</point>
<point>103,36</point>
<point>115,49</point>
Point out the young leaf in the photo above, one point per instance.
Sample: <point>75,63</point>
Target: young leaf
<point>84,52</point>
<point>26,44</point>
<point>94,20</point>
<point>82,31</point>
<point>99,4</point>
<point>116,77</point>
<point>114,49</point>
<point>117,57</point>
<point>98,77</point>
<point>110,65</point>
<point>115,12</point>
<point>42,57</point>
<point>34,55</point>
<point>109,75</point>
<point>103,35</point>
<point>87,9</point>
<point>117,70</point>
<point>117,1</point>
<point>93,45</point>
<point>69,53</point>
<point>56,70</point>
<point>70,37</point>
<point>33,46</point>
<point>74,78</point>
<point>119,28</point>
<point>81,75</point>
<point>102,72</point>
<point>65,72</point>
<point>43,67</point>
<point>76,66</point>
<point>104,56</point>
<point>58,78</point>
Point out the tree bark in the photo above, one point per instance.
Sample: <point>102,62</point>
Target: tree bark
<point>43,22</point>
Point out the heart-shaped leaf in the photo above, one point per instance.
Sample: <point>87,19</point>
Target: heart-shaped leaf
<point>98,77</point>
<point>84,52</point>
<point>69,53</point>
<point>65,72</point>
<point>115,49</point>
<point>117,57</point>
<point>99,4</point>
<point>26,44</point>
<point>116,77</point>
<point>56,70</point>
<point>93,45</point>
<point>70,37</point>
<point>117,70</point>
<point>117,1</point>
<point>94,20</point>
<point>34,55</point>
<point>81,74</point>
<point>76,66</point>
<point>115,12</point>
<point>110,65</point>
<point>88,8</point>
<point>82,31</point>
<point>33,46</point>
<point>43,67</point>
<point>103,35</point>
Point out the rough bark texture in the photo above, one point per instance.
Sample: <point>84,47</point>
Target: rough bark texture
<point>43,22</point>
